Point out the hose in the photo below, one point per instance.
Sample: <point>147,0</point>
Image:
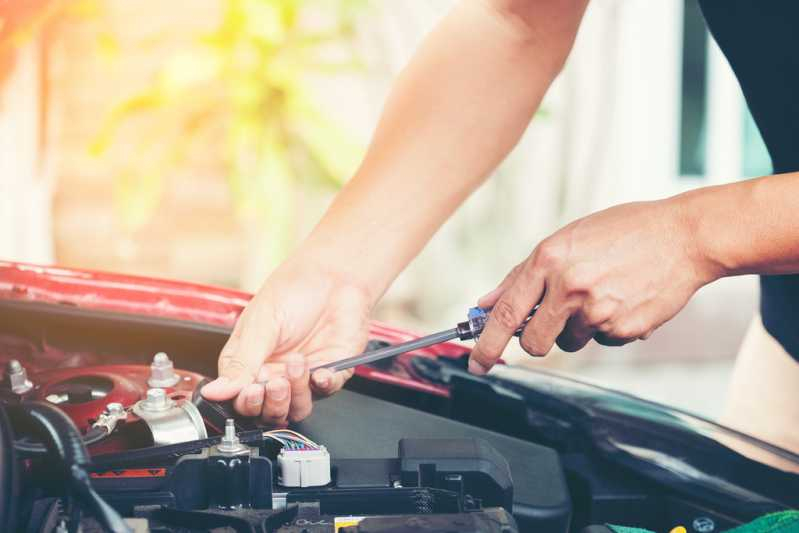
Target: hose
<point>63,440</point>
<point>94,435</point>
<point>9,475</point>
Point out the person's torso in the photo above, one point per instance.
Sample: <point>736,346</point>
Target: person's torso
<point>761,41</point>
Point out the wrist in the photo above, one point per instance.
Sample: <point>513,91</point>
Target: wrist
<point>702,238</point>
<point>338,263</point>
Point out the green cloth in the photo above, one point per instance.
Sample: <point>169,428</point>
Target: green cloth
<point>782,522</point>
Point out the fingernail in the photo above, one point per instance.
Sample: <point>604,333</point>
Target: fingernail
<point>322,379</point>
<point>277,390</point>
<point>477,368</point>
<point>295,368</point>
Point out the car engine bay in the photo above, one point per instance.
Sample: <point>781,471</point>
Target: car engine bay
<point>102,428</point>
<point>154,455</point>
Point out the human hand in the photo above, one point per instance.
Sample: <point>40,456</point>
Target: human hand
<point>614,276</point>
<point>305,314</point>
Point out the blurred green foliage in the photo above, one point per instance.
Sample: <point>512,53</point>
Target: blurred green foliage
<point>246,84</point>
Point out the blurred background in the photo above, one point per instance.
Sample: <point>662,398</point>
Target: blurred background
<point>203,143</point>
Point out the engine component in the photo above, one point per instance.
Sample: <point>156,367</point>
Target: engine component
<point>108,419</point>
<point>17,377</point>
<point>211,479</point>
<point>65,444</point>
<point>304,467</point>
<point>230,443</point>
<point>162,372</point>
<point>469,465</point>
<point>170,421</point>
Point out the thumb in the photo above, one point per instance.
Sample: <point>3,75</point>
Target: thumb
<point>242,356</point>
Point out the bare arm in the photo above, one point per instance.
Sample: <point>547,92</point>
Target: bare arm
<point>452,116</point>
<point>619,274</point>
<point>454,113</point>
<point>750,227</point>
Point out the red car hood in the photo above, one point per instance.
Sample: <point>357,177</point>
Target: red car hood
<point>178,300</point>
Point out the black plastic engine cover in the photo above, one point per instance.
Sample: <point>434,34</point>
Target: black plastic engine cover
<point>470,466</point>
<point>356,426</point>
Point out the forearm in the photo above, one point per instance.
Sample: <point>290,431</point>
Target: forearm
<point>452,116</point>
<point>749,227</point>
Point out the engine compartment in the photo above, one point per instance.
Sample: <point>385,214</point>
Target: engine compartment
<point>170,461</point>
<point>82,360</point>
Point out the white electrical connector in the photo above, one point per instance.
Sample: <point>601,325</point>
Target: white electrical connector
<point>304,468</point>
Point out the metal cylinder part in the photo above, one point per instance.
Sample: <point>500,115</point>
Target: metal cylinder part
<point>17,377</point>
<point>170,421</point>
<point>162,372</point>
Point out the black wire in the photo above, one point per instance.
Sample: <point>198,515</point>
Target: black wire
<point>9,475</point>
<point>63,441</point>
<point>94,435</point>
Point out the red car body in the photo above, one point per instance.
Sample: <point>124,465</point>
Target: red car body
<point>177,300</point>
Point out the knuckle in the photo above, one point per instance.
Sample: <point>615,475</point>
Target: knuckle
<point>629,330</point>
<point>531,346</point>
<point>577,279</point>
<point>547,254</point>
<point>607,326</point>
<point>596,314</point>
<point>505,315</point>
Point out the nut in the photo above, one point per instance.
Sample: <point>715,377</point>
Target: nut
<point>156,400</point>
<point>162,372</point>
<point>18,377</point>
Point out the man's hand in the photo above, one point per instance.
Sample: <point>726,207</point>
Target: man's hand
<point>304,315</point>
<point>614,276</point>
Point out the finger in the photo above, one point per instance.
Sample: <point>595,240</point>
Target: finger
<point>276,402</point>
<point>606,339</point>
<point>490,299</point>
<point>241,358</point>
<point>547,323</point>
<point>506,316</point>
<point>269,371</point>
<point>219,389</point>
<point>322,381</point>
<point>250,400</point>
<point>576,334</point>
<point>325,382</point>
<point>297,373</point>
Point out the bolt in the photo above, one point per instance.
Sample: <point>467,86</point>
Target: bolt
<point>156,400</point>
<point>230,443</point>
<point>115,409</point>
<point>18,377</point>
<point>230,430</point>
<point>162,372</point>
